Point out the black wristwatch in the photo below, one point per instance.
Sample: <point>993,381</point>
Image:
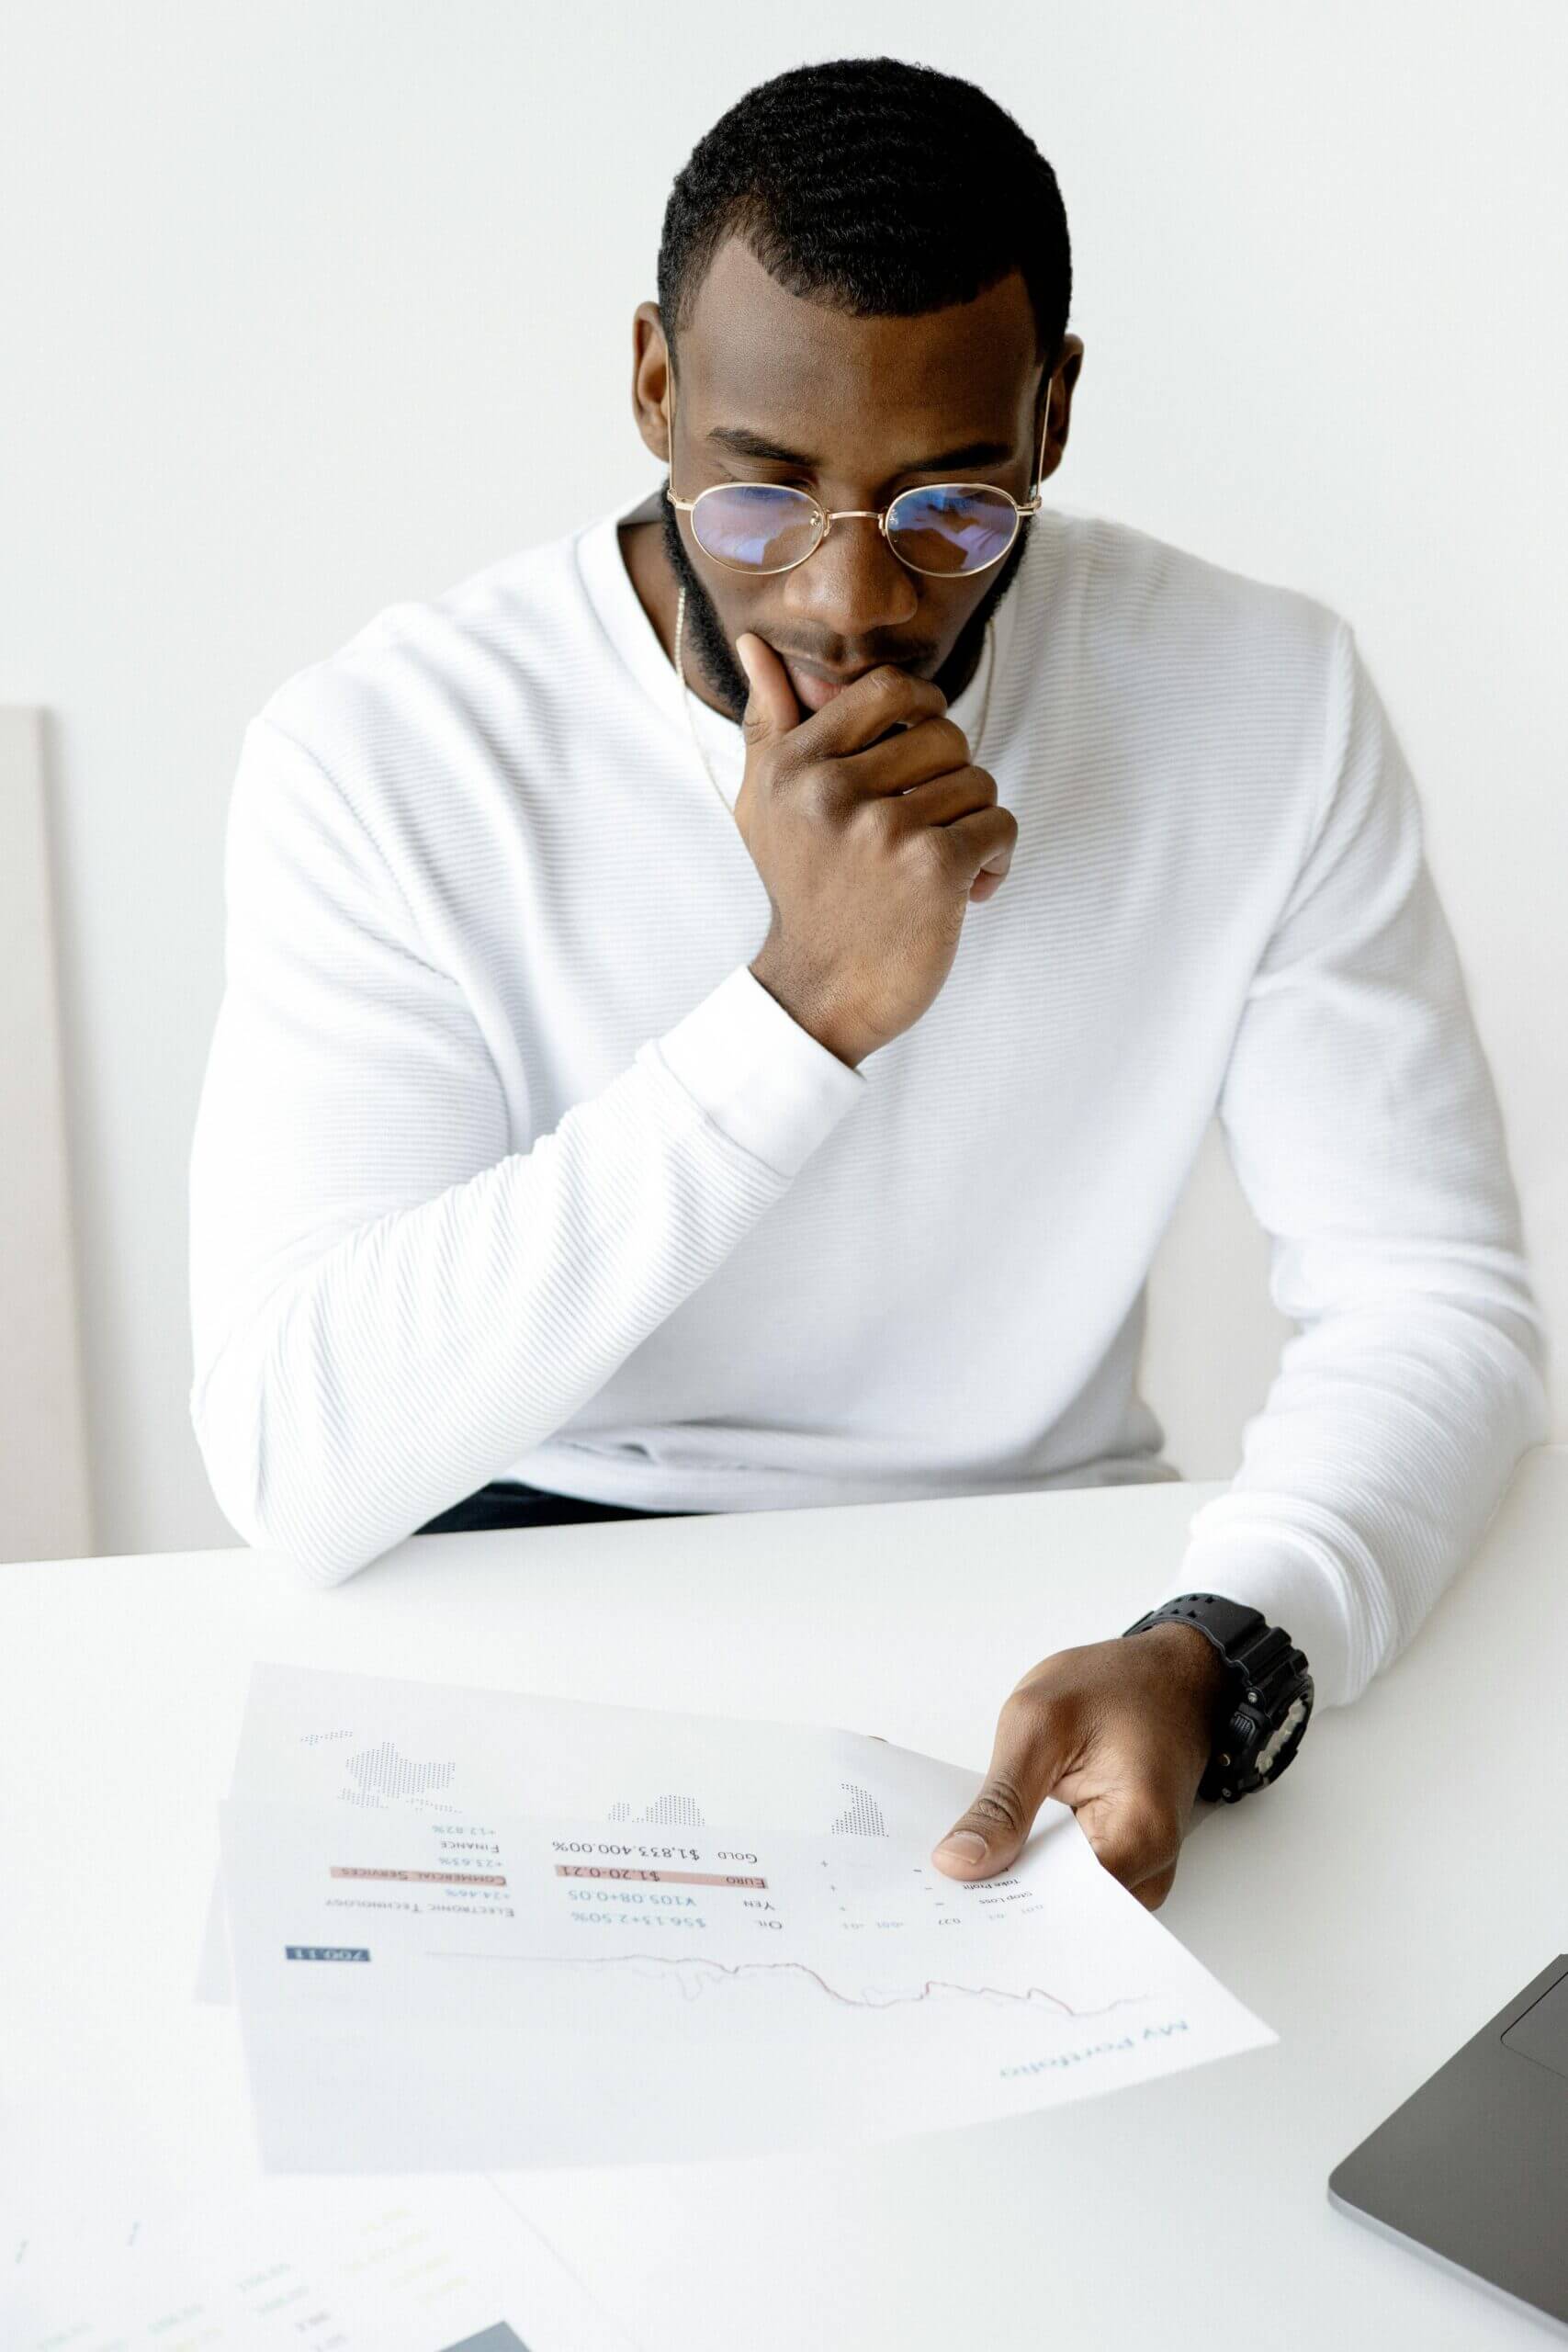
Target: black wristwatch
<point>1268,1697</point>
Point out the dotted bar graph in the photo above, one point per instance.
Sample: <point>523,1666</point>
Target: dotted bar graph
<point>383,1772</point>
<point>684,1813</point>
<point>862,1817</point>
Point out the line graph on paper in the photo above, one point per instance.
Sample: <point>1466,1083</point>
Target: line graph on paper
<point>694,1978</point>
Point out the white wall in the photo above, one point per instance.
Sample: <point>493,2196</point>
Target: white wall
<point>45,1489</point>
<point>306,308</point>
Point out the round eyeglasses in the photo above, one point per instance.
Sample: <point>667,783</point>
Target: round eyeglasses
<point>947,529</point>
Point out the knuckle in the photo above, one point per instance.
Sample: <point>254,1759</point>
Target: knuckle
<point>933,845</point>
<point>819,789</point>
<point>979,788</point>
<point>1117,1853</point>
<point>1001,1802</point>
<point>1019,1710</point>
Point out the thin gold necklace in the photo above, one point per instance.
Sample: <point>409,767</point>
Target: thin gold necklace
<point>690,722</point>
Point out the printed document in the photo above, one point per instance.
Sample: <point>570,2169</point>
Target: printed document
<point>482,1931</point>
<point>440,2266</point>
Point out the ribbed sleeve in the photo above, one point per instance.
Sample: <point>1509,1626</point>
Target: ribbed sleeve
<point>388,1305</point>
<point>1364,1129</point>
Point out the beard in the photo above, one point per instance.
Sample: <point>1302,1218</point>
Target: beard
<point>718,666</point>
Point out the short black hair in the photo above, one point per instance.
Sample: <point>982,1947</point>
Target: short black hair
<point>877,186</point>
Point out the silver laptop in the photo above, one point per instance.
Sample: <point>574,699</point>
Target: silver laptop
<point>1472,2170</point>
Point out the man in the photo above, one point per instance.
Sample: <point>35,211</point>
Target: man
<point>662,1068</point>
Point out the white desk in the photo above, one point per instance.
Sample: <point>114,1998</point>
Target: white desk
<point>1407,1876</point>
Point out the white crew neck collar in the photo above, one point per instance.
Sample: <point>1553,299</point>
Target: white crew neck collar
<point>633,637</point>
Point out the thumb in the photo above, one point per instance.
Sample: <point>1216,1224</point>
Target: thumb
<point>771,707</point>
<point>1024,1762</point>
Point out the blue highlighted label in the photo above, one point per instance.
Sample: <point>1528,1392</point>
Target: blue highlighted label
<point>323,1952</point>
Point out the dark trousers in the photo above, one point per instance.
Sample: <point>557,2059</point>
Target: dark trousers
<point>505,1504</point>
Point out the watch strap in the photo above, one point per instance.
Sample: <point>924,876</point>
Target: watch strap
<point>1268,1694</point>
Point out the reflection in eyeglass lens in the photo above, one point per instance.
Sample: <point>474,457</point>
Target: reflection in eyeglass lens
<point>759,525</point>
<point>951,530</point>
<point>766,526</point>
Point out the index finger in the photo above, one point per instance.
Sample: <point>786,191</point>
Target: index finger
<point>883,698</point>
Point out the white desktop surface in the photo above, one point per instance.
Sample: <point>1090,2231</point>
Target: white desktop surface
<point>1404,1878</point>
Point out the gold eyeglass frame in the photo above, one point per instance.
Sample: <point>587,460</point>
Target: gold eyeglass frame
<point>827,517</point>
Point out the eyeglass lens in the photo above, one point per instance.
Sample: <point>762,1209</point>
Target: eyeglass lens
<point>766,526</point>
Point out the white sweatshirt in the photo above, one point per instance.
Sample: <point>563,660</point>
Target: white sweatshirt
<point>507,1166</point>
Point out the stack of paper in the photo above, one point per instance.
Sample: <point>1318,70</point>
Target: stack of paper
<point>476,1930</point>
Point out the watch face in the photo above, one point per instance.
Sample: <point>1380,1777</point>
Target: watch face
<point>1271,1757</point>
<point>1247,1766</point>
